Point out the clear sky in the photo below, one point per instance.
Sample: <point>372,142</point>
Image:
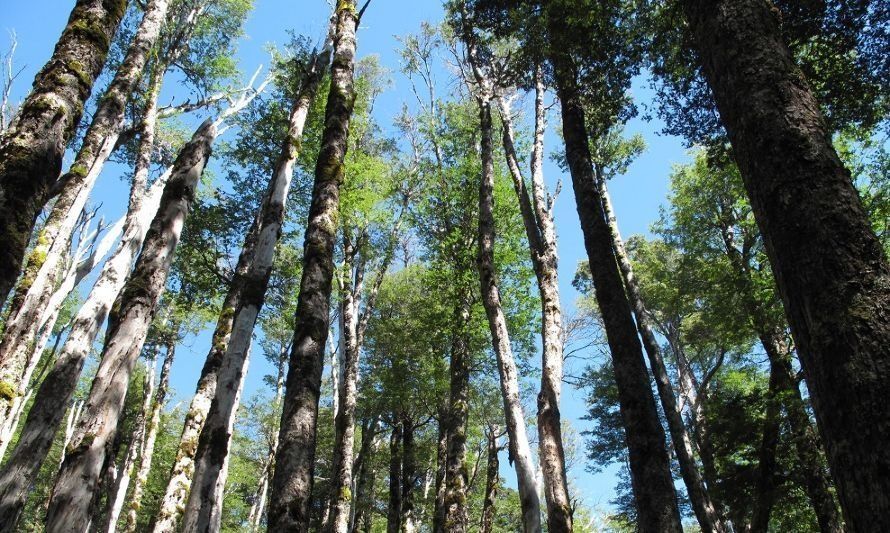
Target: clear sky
<point>637,195</point>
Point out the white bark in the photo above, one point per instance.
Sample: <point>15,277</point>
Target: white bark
<point>77,483</point>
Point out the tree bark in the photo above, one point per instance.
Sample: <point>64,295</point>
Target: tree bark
<point>46,260</point>
<point>492,481</point>
<point>653,487</point>
<point>227,360</point>
<point>829,266</point>
<point>408,517</point>
<point>57,388</point>
<point>520,451</point>
<point>704,508</point>
<point>78,480</point>
<point>31,149</point>
<point>118,493</point>
<point>295,458</point>
<point>454,504</point>
<point>364,497</point>
<point>766,471</point>
<point>441,465</point>
<point>537,215</point>
<point>787,393</point>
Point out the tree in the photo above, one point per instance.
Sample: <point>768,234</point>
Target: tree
<point>649,462</point>
<point>835,296</point>
<point>78,480</point>
<point>292,481</point>
<point>31,149</point>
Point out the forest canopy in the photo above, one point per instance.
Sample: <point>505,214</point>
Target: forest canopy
<point>359,266</point>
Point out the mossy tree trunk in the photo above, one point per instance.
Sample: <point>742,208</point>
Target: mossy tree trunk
<point>226,363</point>
<point>46,262</point>
<point>56,390</point>
<point>289,508</point>
<point>829,266</point>
<point>31,149</point>
<point>77,483</point>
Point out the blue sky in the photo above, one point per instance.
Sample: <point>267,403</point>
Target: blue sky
<point>637,195</point>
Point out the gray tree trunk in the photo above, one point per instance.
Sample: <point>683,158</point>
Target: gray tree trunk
<point>226,364</point>
<point>78,480</point>
<point>57,388</point>
<point>148,447</point>
<point>520,451</point>
<point>46,261</point>
<point>295,458</point>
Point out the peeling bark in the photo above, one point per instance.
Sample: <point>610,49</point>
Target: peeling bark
<point>394,508</point>
<point>295,458</point>
<point>831,271</point>
<point>31,149</point>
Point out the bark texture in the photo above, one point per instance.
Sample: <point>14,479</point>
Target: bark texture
<point>56,390</point>
<point>537,215</point>
<point>78,480</point>
<point>31,149</point>
<point>653,487</point>
<point>46,261</point>
<point>295,458</point>
<point>492,481</point>
<point>226,364</point>
<point>520,451</point>
<point>454,502</point>
<point>829,266</point>
<point>704,508</point>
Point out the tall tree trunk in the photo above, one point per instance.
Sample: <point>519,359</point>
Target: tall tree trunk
<point>537,215</point>
<point>148,446</point>
<point>365,497</point>
<point>492,481</point>
<point>78,480</point>
<point>829,265</point>
<point>227,360</point>
<point>704,508</point>
<point>46,260</point>
<point>394,509</point>
<point>347,394</point>
<point>78,268</point>
<point>520,451</point>
<point>57,388</point>
<point>653,487</point>
<point>31,149</point>
<point>118,493</point>
<point>454,505</point>
<point>295,458</point>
